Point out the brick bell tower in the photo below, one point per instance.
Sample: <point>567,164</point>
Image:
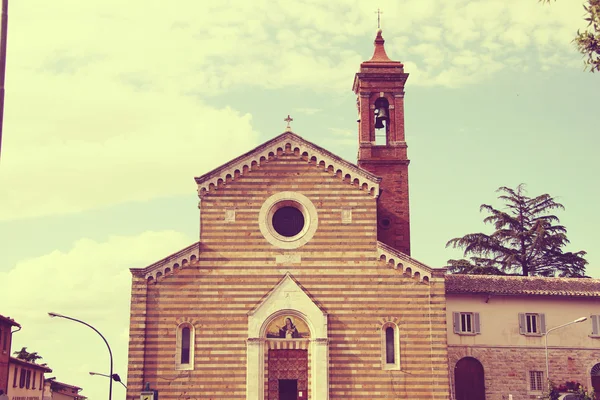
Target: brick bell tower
<point>379,86</point>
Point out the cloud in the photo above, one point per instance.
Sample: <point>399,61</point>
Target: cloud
<point>90,282</point>
<point>105,105</point>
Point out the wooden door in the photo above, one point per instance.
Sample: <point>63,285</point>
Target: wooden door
<point>469,381</point>
<point>595,372</point>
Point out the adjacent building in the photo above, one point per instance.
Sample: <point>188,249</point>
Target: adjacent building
<point>497,327</point>
<point>26,380</point>
<point>54,390</point>
<point>6,330</point>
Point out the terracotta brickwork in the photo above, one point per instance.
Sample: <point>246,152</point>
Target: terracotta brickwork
<point>507,368</point>
<point>382,78</point>
<point>338,268</point>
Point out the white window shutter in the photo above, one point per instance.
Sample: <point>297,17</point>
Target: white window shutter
<point>456,319</point>
<point>476,325</point>
<point>595,325</point>
<point>522,324</point>
<point>542,323</point>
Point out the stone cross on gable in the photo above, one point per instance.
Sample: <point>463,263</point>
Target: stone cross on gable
<point>288,120</point>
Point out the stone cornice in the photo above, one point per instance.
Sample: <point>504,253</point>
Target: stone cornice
<point>406,264</point>
<point>169,263</point>
<point>304,149</point>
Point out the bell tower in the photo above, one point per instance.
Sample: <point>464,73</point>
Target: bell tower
<point>379,87</point>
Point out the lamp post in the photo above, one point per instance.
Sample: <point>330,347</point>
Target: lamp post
<point>546,340</point>
<point>52,315</point>
<point>115,377</point>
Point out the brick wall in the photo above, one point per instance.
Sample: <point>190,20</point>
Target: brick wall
<point>507,368</point>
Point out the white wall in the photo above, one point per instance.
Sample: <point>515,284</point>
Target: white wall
<point>500,325</point>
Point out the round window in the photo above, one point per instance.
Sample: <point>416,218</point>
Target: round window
<point>288,221</point>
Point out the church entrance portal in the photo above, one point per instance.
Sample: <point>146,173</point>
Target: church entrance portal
<point>288,374</point>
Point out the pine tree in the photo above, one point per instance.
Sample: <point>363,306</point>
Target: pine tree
<point>527,240</point>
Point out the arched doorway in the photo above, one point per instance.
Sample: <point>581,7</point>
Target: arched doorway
<point>288,339</point>
<point>469,380</point>
<point>308,348</point>
<point>595,373</point>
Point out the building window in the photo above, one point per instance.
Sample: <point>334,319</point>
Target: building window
<point>288,220</point>
<point>185,345</point>
<point>390,346</point>
<point>535,381</point>
<point>532,323</point>
<point>41,381</point>
<point>466,323</point>
<point>595,325</point>
<point>33,380</point>
<point>22,378</point>
<point>28,379</point>
<point>15,376</point>
<point>184,357</point>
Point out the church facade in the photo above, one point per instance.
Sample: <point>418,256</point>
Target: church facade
<point>302,285</point>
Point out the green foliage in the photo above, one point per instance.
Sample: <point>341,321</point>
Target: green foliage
<point>576,388</point>
<point>23,354</point>
<point>527,240</point>
<point>588,41</point>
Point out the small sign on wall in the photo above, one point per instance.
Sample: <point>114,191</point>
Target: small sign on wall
<point>347,216</point>
<point>230,215</point>
<point>149,395</point>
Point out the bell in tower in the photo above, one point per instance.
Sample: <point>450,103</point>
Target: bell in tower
<point>381,113</point>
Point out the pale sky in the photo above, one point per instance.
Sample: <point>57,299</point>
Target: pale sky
<point>113,107</point>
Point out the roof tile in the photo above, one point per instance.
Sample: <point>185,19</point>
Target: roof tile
<point>522,285</point>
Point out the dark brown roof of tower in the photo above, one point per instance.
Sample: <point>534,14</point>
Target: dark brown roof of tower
<point>521,285</point>
<point>8,321</point>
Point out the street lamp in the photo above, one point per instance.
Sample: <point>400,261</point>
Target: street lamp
<point>546,340</point>
<point>52,315</point>
<point>115,377</point>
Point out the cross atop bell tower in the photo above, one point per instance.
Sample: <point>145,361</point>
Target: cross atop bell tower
<point>379,87</point>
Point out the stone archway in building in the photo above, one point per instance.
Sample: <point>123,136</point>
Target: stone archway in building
<point>287,300</point>
<point>595,375</point>
<point>469,379</point>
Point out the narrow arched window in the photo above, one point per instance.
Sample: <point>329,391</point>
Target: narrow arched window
<point>185,345</point>
<point>184,356</point>
<point>390,346</point>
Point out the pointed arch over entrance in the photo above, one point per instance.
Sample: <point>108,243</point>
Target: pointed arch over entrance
<point>595,375</point>
<point>288,301</point>
<point>469,379</point>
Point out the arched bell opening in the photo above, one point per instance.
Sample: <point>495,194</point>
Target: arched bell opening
<point>382,119</point>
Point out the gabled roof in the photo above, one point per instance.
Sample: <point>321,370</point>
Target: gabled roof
<point>522,285</point>
<point>289,284</point>
<point>296,144</point>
